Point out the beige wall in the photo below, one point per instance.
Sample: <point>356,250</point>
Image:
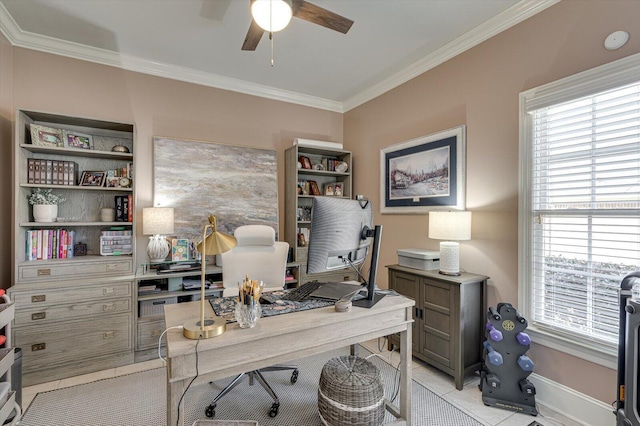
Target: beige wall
<point>162,107</point>
<point>480,89</point>
<point>6,176</point>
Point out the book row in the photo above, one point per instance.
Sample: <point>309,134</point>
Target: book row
<point>124,208</point>
<point>51,172</point>
<point>44,244</point>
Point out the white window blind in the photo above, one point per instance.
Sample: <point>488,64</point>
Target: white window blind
<point>584,210</point>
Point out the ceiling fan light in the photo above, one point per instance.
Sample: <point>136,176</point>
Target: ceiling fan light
<point>271,15</point>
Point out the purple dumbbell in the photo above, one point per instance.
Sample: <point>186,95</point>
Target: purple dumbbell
<point>494,357</point>
<point>523,338</point>
<point>525,363</point>
<point>495,335</point>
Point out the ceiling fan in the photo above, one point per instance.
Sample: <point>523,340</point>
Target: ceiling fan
<point>300,9</point>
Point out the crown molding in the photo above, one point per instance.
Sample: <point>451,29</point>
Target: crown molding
<point>499,23</point>
<point>28,40</point>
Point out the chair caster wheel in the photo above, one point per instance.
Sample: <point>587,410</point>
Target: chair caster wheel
<point>274,409</point>
<point>294,376</point>
<point>210,411</point>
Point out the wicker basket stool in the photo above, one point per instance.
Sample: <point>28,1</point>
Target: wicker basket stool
<point>351,393</point>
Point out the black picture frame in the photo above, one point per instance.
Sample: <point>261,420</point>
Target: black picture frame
<point>424,174</point>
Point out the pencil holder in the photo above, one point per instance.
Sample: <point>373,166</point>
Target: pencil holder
<point>247,315</point>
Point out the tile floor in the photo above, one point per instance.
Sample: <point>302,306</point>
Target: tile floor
<point>469,399</point>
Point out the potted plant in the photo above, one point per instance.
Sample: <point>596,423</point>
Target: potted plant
<point>45,205</point>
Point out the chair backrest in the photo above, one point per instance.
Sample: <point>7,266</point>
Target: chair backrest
<point>258,255</point>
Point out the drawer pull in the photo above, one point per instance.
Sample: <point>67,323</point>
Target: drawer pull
<point>44,272</point>
<point>108,307</point>
<point>38,316</point>
<point>156,333</point>
<point>108,290</point>
<point>38,298</point>
<point>38,347</point>
<point>112,267</point>
<point>109,335</point>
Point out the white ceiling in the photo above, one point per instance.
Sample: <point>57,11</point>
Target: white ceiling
<point>390,42</point>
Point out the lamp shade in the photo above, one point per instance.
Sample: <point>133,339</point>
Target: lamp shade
<point>454,226</point>
<point>157,220</point>
<point>216,242</point>
<point>271,15</point>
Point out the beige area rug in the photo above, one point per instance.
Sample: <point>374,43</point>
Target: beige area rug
<point>139,399</point>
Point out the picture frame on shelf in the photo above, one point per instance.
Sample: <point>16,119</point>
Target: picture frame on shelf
<point>337,189</point>
<point>315,189</point>
<point>303,187</point>
<point>92,178</point>
<point>78,140</point>
<point>306,162</point>
<point>302,242</point>
<point>329,189</point>
<point>46,136</point>
<point>112,182</point>
<point>424,174</point>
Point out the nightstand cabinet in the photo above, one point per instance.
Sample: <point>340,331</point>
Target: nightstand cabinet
<point>448,315</point>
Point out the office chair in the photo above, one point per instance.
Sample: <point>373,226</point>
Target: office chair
<point>258,255</point>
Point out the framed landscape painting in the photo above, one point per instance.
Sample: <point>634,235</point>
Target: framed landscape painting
<point>424,174</point>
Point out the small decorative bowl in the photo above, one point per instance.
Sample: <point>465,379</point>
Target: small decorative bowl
<point>120,148</point>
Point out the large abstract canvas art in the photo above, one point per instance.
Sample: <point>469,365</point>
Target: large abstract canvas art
<point>237,184</point>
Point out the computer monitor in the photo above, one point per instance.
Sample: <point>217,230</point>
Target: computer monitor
<point>342,232</point>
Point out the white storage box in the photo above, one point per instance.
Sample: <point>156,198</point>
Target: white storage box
<point>149,308</point>
<point>419,259</point>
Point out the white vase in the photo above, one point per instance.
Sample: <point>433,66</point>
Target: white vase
<point>45,212</point>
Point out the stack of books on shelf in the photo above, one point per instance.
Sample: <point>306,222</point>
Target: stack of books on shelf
<point>148,288</point>
<point>194,284</point>
<point>124,208</point>
<point>51,172</point>
<point>42,244</point>
<point>330,163</point>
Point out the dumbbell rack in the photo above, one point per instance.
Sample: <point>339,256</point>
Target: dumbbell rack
<point>504,380</point>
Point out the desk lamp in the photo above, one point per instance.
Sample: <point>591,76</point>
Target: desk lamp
<point>450,226</point>
<point>156,221</point>
<point>214,243</point>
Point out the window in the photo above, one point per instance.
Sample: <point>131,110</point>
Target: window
<point>580,205</point>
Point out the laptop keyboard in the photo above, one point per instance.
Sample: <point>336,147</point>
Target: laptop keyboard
<point>301,293</point>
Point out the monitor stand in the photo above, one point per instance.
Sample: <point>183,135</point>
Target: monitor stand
<point>366,303</point>
<point>372,298</point>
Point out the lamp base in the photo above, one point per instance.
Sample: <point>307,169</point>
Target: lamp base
<point>212,328</point>
<point>453,274</point>
<point>449,258</point>
<point>158,249</point>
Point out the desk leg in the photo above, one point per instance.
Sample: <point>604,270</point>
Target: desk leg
<point>174,393</point>
<point>405,371</point>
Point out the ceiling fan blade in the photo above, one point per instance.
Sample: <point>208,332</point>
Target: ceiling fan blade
<point>253,36</point>
<point>310,12</point>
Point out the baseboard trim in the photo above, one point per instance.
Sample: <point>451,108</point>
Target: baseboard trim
<point>571,403</point>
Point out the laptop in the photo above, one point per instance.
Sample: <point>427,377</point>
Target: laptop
<point>336,291</point>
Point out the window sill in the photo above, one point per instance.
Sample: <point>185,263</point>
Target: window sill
<point>590,352</point>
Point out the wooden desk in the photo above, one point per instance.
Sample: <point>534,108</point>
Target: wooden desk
<point>280,339</point>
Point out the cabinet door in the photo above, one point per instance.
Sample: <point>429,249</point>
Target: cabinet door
<point>438,325</point>
<point>409,285</point>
